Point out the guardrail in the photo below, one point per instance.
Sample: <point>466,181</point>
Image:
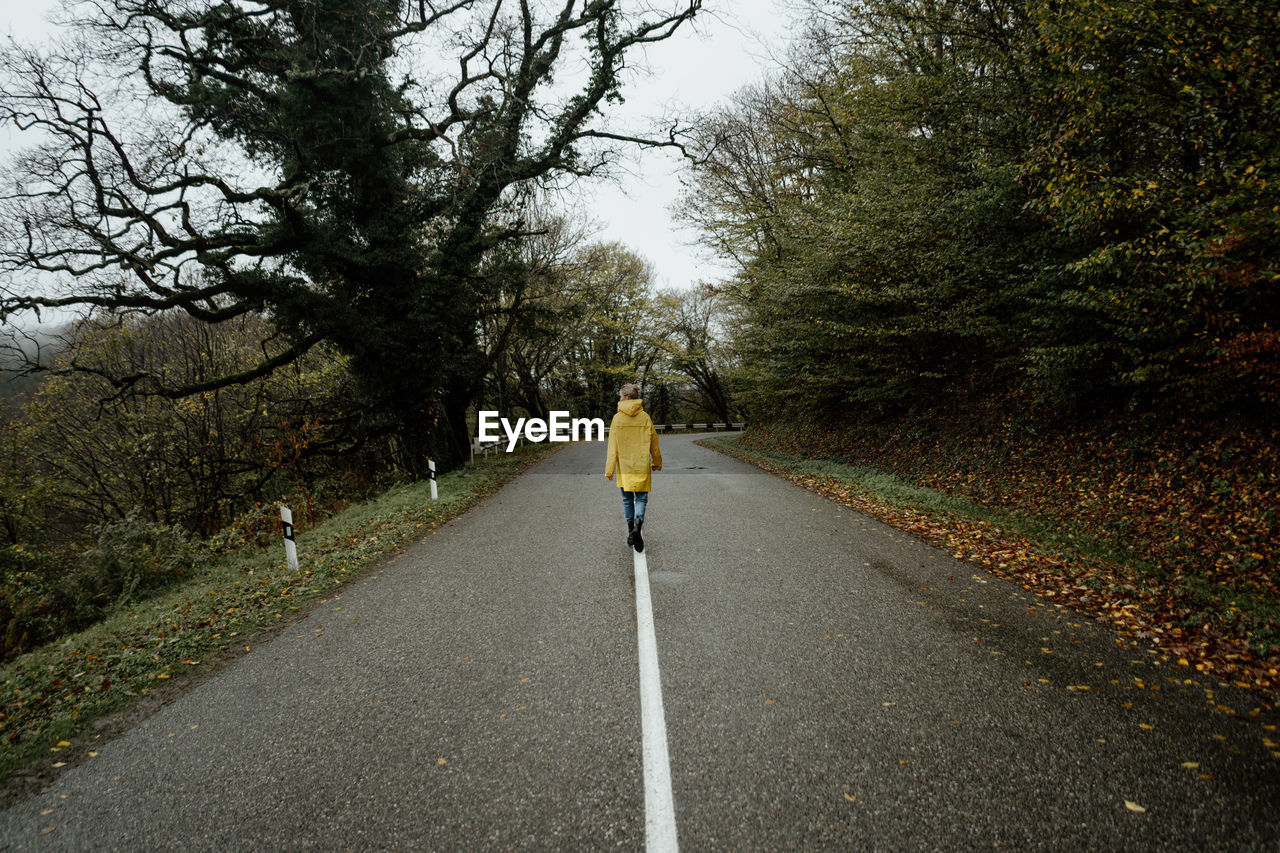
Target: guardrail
<point>692,427</point>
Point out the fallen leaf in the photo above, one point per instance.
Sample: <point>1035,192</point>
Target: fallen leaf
<point>1145,726</point>
<point>442,762</point>
<point>851,798</point>
<point>1133,807</point>
<point>64,743</point>
<point>1191,765</point>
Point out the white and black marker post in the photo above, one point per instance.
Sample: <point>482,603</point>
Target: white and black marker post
<point>290,549</point>
<point>431,472</point>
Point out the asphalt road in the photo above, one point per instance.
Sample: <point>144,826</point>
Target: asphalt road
<point>828,683</point>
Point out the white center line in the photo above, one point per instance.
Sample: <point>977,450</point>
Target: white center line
<point>659,806</point>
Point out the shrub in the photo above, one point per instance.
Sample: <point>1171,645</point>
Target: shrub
<point>132,559</point>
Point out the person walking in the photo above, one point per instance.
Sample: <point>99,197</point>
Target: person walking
<point>633,453</point>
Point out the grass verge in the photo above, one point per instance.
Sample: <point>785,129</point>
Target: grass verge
<point>1215,636</point>
<point>58,699</point>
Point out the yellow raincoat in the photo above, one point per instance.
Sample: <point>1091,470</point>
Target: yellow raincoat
<point>632,441</point>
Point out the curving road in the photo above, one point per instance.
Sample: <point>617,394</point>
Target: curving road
<point>825,681</point>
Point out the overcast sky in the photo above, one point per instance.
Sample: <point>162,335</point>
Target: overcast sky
<point>696,69</point>
<point>728,48</point>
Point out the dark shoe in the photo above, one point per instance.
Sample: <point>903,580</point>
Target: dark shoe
<point>636,539</point>
<point>631,532</point>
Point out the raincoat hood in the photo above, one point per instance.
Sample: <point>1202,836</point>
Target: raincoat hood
<point>630,408</point>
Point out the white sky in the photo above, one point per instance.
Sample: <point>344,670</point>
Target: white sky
<point>727,48</point>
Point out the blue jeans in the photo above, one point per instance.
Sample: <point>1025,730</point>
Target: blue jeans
<point>633,504</point>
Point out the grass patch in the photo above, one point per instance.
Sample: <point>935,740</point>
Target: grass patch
<point>885,485</point>
<point>894,491</point>
<point>54,695</point>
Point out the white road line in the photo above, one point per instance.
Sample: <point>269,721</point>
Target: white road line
<point>659,806</point>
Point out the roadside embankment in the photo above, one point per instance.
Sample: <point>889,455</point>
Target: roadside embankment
<point>1169,533</point>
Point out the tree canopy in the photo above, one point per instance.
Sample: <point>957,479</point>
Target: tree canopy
<point>1068,203</point>
<point>342,166</point>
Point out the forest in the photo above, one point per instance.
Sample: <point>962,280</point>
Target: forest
<point>1023,250</point>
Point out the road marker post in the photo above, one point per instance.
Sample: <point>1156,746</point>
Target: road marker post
<point>431,472</point>
<point>290,549</point>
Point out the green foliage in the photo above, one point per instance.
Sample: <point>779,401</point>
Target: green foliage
<point>43,595</point>
<point>1070,200</point>
<point>1156,148</point>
